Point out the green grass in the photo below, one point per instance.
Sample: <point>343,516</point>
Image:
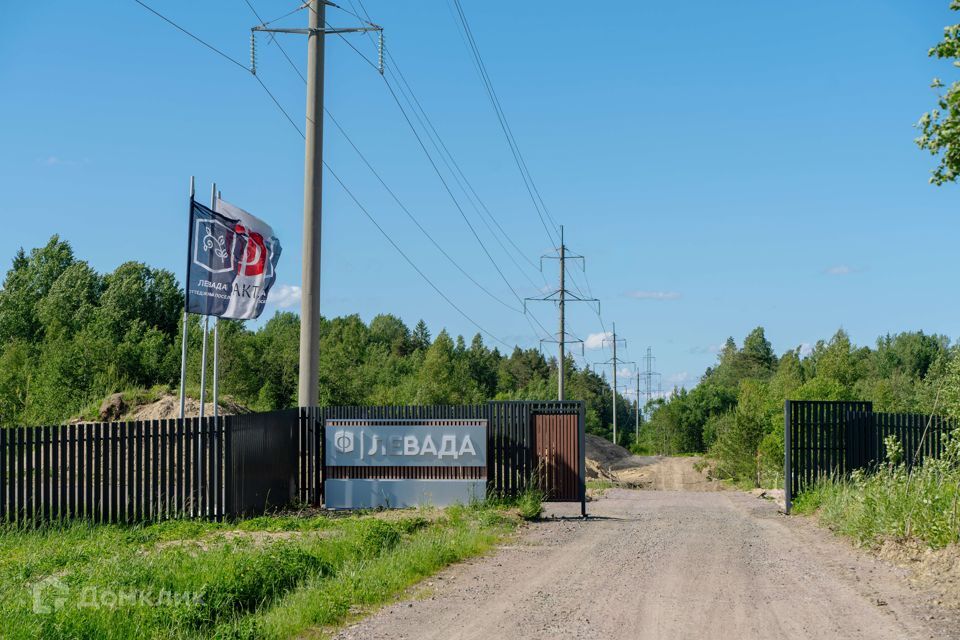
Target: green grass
<point>641,449</point>
<point>600,485</point>
<point>890,503</point>
<point>271,577</point>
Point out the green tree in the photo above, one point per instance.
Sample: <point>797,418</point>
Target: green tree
<point>940,127</point>
<point>444,378</point>
<point>421,336</point>
<point>27,283</point>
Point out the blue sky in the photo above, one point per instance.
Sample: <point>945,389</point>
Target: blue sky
<point>720,165</point>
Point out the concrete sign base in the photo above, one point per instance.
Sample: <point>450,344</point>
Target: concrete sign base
<point>398,494</point>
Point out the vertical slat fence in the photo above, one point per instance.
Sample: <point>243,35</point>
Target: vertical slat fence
<point>834,438</point>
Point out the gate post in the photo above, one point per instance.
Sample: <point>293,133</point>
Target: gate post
<point>582,437</point>
<point>229,472</point>
<point>787,472</point>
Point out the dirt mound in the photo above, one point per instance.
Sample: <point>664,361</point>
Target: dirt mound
<point>168,406</point>
<point>601,454</point>
<point>607,461</point>
<point>680,473</point>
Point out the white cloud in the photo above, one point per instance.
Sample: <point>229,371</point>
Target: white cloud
<point>57,161</point>
<point>654,295</point>
<point>840,270</point>
<point>285,296</point>
<point>595,340</point>
<point>806,349</point>
<point>678,379</point>
<point>711,348</point>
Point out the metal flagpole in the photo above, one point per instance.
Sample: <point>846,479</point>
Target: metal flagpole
<point>186,287</point>
<point>206,330</point>
<point>203,363</point>
<point>216,349</point>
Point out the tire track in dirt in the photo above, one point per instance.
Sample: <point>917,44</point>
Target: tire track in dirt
<point>667,565</point>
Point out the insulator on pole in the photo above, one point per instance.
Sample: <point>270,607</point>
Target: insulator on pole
<point>253,52</point>
<point>380,53</point>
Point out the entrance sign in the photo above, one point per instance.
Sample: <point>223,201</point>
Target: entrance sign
<point>233,260</point>
<point>401,445</point>
<point>404,463</point>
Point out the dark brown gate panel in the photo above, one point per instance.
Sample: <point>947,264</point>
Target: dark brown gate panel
<point>557,445</point>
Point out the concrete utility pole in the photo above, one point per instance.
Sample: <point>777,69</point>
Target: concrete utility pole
<point>308,391</point>
<point>636,435</point>
<point>560,297</point>
<point>561,362</point>
<point>312,211</point>
<point>614,383</point>
<point>614,361</point>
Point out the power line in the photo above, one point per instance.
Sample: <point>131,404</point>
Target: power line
<point>528,180</point>
<point>410,215</point>
<point>399,73</point>
<point>443,157</point>
<point>390,191</point>
<point>280,107</point>
<point>197,38</point>
<point>450,192</point>
<point>287,14</point>
<point>354,47</point>
<point>380,179</point>
<point>403,81</point>
<point>454,168</point>
<point>389,239</point>
<point>446,186</point>
<point>409,261</point>
<point>273,38</point>
<point>505,125</point>
<point>335,176</point>
<point>560,297</point>
<point>443,180</point>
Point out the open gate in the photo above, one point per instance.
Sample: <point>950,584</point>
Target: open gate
<point>557,443</point>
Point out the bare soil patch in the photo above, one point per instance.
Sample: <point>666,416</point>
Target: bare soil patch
<point>654,565</point>
<point>607,461</point>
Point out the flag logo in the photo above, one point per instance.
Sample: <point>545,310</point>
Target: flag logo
<point>233,258</point>
<point>213,246</point>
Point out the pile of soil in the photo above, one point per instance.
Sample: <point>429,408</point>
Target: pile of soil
<point>607,461</point>
<point>168,406</point>
<point>602,454</point>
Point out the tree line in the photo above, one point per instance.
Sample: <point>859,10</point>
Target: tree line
<point>735,413</point>
<point>70,336</point>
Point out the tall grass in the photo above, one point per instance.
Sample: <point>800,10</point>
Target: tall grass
<point>893,502</point>
<point>268,577</point>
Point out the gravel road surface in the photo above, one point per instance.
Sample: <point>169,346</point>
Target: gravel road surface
<point>670,565</point>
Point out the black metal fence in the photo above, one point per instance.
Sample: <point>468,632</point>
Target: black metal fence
<point>262,471</point>
<point>115,472</point>
<point>224,467</point>
<point>814,439</point>
<point>921,436</point>
<point>834,438</point>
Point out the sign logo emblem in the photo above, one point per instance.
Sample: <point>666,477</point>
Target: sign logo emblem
<point>343,441</point>
<point>213,246</point>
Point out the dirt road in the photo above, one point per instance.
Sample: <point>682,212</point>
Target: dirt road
<point>664,473</point>
<point>670,565</point>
